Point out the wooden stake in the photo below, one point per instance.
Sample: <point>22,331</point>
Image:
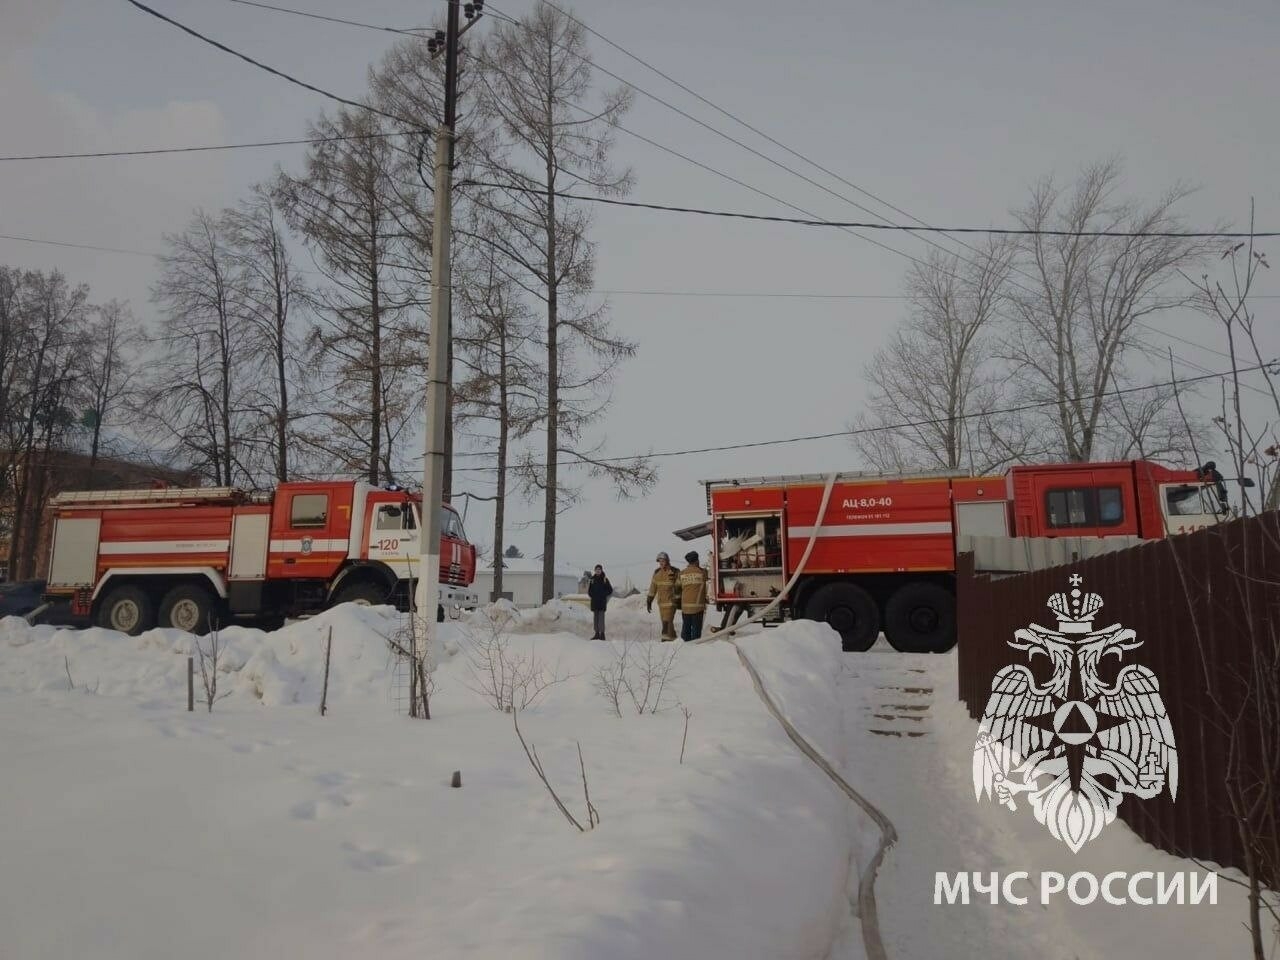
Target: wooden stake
<point>328,649</point>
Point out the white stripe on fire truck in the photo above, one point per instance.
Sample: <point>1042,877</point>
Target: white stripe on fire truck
<point>317,546</point>
<point>873,529</point>
<point>163,546</point>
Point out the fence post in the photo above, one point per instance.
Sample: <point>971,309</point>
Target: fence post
<point>191,684</point>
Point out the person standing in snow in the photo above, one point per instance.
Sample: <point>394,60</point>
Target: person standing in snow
<point>693,597</point>
<point>599,590</point>
<point>663,587</point>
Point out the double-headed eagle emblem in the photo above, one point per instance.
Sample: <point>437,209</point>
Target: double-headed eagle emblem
<point>1076,744</point>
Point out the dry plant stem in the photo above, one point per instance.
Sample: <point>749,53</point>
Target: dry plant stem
<point>532,754</point>
<point>593,815</point>
<point>66,663</point>
<point>209,669</point>
<point>684,739</point>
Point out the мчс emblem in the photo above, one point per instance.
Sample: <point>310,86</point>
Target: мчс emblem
<point>306,544</point>
<point>1076,744</point>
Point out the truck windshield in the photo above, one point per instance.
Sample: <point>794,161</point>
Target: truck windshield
<point>451,524</point>
<point>1187,501</point>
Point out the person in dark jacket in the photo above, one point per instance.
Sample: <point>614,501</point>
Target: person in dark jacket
<point>599,590</point>
<point>1209,474</point>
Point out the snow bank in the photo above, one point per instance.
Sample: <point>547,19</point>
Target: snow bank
<point>341,836</point>
<point>272,668</point>
<point>800,664</point>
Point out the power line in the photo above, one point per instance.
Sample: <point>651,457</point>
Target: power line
<point>810,295</point>
<point>793,152</point>
<point>652,293</point>
<point>262,66</point>
<point>863,225</point>
<point>411,31</point>
<point>1271,366</point>
<point>693,294</point>
<point>155,151</point>
<point>78,246</point>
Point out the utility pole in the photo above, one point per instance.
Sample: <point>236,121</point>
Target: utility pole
<point>439,345</point>
<point>438,455</point>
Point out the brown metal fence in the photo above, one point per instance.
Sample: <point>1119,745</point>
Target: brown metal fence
<point>1197,612</point>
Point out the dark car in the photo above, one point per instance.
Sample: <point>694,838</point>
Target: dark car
<point>20,598</point>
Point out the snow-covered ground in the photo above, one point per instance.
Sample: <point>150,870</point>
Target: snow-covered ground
<point>134,829</point>
<point>131,828</point>
<point>909,745</point>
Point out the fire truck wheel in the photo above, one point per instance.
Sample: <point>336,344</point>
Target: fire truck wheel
<point>850,611</point>
<point>126,609</point>
<point>921,618</point>
<point>188,607</point>
<point>365,593</point>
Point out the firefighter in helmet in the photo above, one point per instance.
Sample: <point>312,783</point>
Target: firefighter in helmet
<point>663,588</point>
<point>693,597</point>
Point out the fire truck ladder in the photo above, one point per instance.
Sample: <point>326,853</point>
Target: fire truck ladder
<point>165,496</point>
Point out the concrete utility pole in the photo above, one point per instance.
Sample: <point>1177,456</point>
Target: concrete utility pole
<point>438,358</point>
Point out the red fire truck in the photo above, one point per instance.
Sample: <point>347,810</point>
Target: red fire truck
<point>884,553</point>
<point>186,558</point>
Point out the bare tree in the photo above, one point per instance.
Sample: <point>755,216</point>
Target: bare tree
<point>502,382</point>
<point>409,83</point>
<point>348,211</point>
<point>1244,698</point>
<point>538,85</point>
<point>273,292</point>
<point>112,344</point>
<point>1253,440</point>
<point>1074,329</point>
<point>42,321</point>
<point>938,374</point>
<point>204,372</point>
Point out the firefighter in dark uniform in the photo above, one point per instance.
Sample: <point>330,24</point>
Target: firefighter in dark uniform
<point>663,588</point>
<point>693,597</point>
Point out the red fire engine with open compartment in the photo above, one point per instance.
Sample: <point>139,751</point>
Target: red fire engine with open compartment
<point>186,558</point>
<point>884,553</point>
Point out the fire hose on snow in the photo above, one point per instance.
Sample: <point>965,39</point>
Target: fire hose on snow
<point>865,908</point>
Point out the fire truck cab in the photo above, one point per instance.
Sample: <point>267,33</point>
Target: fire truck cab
<point>191,558</point>
<point>884,551</point>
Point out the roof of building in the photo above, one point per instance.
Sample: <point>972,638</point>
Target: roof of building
<point>531,565</point>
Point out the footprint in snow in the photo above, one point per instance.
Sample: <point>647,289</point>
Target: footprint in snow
<point>253,746</point>
<point>366,857</point>
<point>323,807</point>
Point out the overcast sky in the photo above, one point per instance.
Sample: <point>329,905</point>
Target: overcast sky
<point>948,110</point>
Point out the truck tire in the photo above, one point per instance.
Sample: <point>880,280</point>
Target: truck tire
<point>365,593</point>
<point>190,607</point>
<point>921,618</point>
<point>126,609</point>
<point>850,611</point>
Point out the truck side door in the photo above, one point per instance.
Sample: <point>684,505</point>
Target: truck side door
<point>310,530</point>
<point>393,537</point>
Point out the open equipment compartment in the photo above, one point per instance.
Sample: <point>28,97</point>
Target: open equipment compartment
<point>750,556</point>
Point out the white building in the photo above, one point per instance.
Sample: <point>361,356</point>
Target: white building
<point>522,579</point>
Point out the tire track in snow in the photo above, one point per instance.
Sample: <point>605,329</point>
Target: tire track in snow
<point>868,918</point>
